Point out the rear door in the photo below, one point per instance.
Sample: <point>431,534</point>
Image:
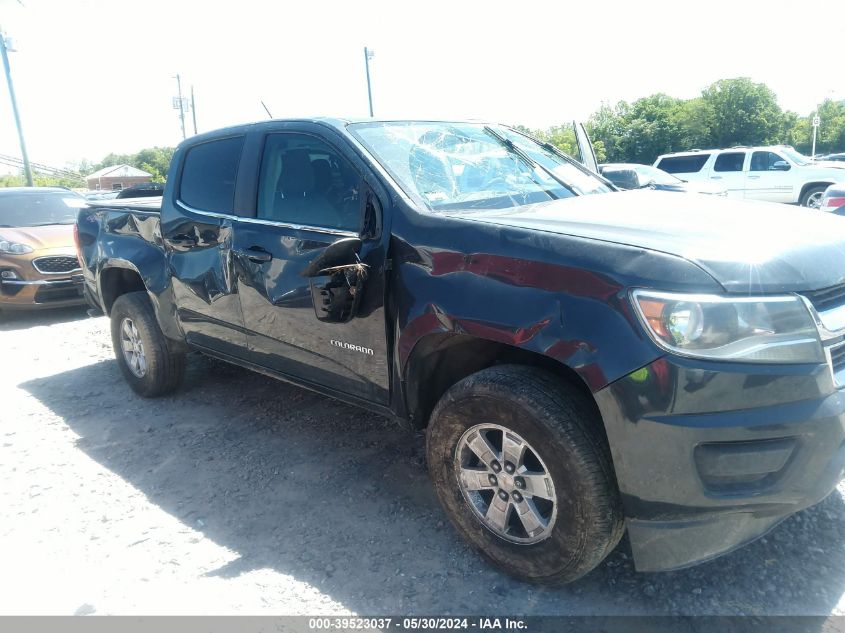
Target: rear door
<point>729,170</point>
<point>196,231</point>
<point>325,328</point>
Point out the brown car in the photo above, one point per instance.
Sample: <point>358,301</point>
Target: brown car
<point>38,264</point>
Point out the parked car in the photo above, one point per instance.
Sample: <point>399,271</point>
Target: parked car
<point>38,264</point>
<point>144,190</point>
<point>101,195</point>
<point>583,363</point>
<point>833,157</point>
<point>634,176</point>
<point>774,174</point>
<point>833,200</point>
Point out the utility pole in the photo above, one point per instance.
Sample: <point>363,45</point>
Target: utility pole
<point>816,122</point>
<point>26,166</point>
<point>368,55</point>
<point>181,104</point>
<point>193,109</point>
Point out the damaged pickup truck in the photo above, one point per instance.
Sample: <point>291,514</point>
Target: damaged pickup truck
<point>584,361</point>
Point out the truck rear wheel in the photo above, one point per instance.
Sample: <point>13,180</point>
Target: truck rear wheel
<point>143,354</point>
<point>523,470</point>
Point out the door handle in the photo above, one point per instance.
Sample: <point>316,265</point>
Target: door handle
<point>753,177</point>
<point>715,177</point>
<point>254,254</point>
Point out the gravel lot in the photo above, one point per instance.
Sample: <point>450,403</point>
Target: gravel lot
<point>241,494</point>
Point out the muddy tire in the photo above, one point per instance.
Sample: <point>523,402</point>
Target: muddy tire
<point>521,465</point>
<point>146,360</point>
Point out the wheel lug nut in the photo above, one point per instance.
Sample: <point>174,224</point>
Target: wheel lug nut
<point>503,495</point>
<point>496,466</point>
<point>519,482</point>
<point>516,496</point>
<point>509,468</point>
<point>492,479</point>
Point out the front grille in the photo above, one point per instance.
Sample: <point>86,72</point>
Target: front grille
<point>827,298</point>
<point>837,358</point>
<point>54,265</point>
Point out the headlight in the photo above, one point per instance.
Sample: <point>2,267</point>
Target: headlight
<point>13,248</point>
<point>751,329</point>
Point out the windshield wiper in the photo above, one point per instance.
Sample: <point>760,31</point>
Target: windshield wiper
<point>511,147</point>
<point>554,149</point>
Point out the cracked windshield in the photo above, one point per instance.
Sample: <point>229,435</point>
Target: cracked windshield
<point>474,166</point>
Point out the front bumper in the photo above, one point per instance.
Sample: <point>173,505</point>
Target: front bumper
<point>41,293</point>
<point>710,456</point>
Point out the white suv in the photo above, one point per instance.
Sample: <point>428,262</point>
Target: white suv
<point>775,173</point>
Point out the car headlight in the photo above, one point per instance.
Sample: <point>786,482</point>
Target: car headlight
<point>13,248</point>
<point>750,329</point>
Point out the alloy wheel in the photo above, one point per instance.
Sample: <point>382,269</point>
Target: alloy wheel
<point>132,348</point>
<point>506,484</point>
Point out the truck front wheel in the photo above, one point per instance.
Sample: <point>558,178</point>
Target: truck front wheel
<point>145,359</point>
<point>812,198</point>
<point>522,468</point>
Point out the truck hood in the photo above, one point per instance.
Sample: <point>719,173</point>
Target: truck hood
<point>746,246</point>
<point>41,237</point>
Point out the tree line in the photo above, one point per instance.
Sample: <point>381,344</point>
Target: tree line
<point>153,160</point>
<point>728,112</point>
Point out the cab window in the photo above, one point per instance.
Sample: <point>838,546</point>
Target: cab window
<point>764,161</point>
<point>729,161</point>
<point>304,181</point>
<point>209,173</point>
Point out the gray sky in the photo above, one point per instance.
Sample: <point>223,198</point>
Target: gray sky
<point>96,76</point>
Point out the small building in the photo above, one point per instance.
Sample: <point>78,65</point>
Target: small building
<point>116,177</point>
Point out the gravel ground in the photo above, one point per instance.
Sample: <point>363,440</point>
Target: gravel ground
<point>241,494</point>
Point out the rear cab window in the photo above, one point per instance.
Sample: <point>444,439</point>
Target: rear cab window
<point>209,172</point>
<point>688,164</point>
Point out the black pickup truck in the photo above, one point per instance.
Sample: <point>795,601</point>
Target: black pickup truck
<point>584,361</point>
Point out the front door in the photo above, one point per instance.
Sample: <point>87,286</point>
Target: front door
<point>324,326</point>
<point>767,178</point>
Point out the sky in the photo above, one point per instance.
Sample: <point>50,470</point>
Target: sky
<point>97,76</point>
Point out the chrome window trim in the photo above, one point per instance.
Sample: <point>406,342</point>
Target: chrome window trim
<point>285,225</point>
<point>66,272</point>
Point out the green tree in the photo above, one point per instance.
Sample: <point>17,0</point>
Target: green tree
<point>40,180</point>
<point>831,132</point>
<point>154,160</point>
<point>742,113</point>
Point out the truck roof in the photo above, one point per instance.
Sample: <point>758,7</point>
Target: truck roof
<point>339,123</point>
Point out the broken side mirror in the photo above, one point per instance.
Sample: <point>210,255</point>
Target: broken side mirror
<point>343,252</point>
<point>337,280</point>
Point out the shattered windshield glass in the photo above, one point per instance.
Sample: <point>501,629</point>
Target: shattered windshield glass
<point>472,166</point>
